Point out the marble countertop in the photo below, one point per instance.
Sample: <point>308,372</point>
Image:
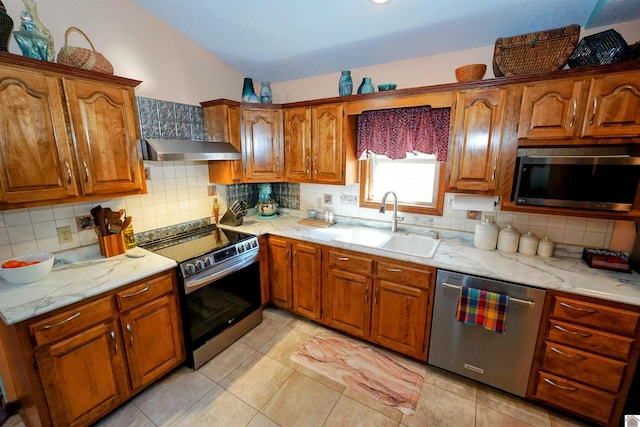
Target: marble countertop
<point>565,271</point>
<point>77,274</point>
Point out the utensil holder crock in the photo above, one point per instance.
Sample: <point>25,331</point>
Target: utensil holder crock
<point>111,245</point>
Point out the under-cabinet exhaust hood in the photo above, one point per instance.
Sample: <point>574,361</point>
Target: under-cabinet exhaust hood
<point>182,149</point>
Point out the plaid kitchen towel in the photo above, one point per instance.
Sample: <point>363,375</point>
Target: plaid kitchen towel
<point>477,307</point>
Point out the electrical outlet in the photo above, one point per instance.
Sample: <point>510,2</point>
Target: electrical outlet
<point>489,218</point>
<point>348,200</point>
<point>212,190</point>
<point>64,234</point>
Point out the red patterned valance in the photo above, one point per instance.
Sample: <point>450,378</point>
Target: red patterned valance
<point>398,131</point>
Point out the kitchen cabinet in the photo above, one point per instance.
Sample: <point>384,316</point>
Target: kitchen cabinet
<point>476,137</point>
<point>280,292</point>
<point>66,137</point>
<point>317,148</point>
<point>306,279</point>
<point>81,362</point>
<point>222,124</point>
<point>262,148</point>
<point>586,355</point>
<point>603,106</point>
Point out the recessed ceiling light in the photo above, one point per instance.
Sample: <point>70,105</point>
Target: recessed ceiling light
<point>380,1</point>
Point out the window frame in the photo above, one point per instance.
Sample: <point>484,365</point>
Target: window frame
<point>365,165</point>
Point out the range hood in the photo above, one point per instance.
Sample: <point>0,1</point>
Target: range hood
<point>183,149</point>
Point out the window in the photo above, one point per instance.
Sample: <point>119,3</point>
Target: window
<point>417,180</point>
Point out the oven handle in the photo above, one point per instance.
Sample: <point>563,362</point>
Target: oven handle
<point>516,300</point>
<point>195,284</point>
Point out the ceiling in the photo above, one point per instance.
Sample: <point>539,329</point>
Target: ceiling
<point>279,40</point>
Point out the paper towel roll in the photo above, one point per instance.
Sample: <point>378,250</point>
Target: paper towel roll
<point>469,202</point>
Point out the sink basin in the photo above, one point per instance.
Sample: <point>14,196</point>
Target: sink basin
<point>409,244</point>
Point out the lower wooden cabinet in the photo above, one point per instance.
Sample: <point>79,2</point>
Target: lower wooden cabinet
<point>305,280</point>
<point>586,355</point>
<point>280,293</point>
<point>80,363</point>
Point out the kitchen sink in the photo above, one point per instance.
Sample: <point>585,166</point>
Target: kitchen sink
<point>405,243</point>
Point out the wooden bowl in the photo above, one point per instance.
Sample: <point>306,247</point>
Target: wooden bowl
<point>470,72</point>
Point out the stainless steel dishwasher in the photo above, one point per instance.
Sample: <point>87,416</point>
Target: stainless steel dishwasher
<point>501,360</point>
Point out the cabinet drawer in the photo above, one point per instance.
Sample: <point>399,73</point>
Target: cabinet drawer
<point>574,397</point>
<point>350,262</point>
<point>398,273</point>
<point>145,291</point>
<point>591,369</point>
<point>600,316</point>
<point>589,339</point>
<point>71,321</point>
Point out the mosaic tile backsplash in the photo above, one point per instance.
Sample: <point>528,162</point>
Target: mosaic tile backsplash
<point>286,194</point>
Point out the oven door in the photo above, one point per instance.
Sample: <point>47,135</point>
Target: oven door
<point>220,304</point>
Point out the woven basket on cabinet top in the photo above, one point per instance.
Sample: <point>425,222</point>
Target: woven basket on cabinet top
<point>79,57</point>
<point>538,52</point>
<point>470,72</point>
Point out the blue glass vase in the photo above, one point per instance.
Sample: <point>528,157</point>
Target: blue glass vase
<point>248,94</point>
<point>366,86</point>
<point>345,85</point>
<point>265,93</point>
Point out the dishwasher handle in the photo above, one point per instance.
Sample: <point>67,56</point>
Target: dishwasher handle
<point>516,300</point>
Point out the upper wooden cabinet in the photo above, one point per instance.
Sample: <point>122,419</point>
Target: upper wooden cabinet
<point>474,150</point>
<point>604,106</point>
<point>65,135</point>
<point>222,123</point>
<point>262,152</point>
<point>318,145</point>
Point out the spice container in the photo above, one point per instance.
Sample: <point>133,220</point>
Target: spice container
<point>545,247</point>
<point>508,239</point>
<point>486,235</point>
<point>528,244</point>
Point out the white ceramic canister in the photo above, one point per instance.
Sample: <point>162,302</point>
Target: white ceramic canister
<point>486,235</point>
<point>545,247</point>
<point>508,239</point>
<point>528,244</point>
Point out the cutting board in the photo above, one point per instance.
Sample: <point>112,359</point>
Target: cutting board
<point>315,222</point>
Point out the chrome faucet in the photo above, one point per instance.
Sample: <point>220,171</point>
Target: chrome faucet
<point>394,218</point>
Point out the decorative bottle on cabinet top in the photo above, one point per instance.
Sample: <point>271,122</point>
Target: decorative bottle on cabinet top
<point>345,86</point>
<point>248,94</point>
<point>32,8</point>
<point>265,93</point>
<point>366,86</point>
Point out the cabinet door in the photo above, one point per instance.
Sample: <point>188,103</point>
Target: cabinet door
<point>84,376</point>
<point>549,110</point>
<point>297,144</point>
<point>104,122</point>
<point>280,272</point>
<point>152,339</point>
<point>307,270</point>
<point>349,301</point>
<point>262,144</point>
<point>326,134</point>
<point>35,153</point>
<point>614,106</point>
<point>222,124</point>
<point>477,134</point>
<point>399,317</point>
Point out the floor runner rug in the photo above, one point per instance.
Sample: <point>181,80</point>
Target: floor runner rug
<point>368,370</point>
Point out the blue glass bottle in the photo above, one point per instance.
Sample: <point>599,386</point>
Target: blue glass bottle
<point>248,94</point>
<point>366,86</point>
<point>345,86</point>
<point>265,93</point>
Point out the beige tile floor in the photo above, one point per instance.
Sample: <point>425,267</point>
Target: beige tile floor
<point>254,383</point>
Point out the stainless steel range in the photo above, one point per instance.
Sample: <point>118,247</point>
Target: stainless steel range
<point>220,275</point>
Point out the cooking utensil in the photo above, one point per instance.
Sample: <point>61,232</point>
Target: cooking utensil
<point>100,220</point>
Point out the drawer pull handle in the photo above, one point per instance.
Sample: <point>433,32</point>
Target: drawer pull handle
<point>341,258</point>
<point>392,270</point>
<point>586,310</point>
<point>133,294</point>
<point>582,334</point>
<point>571,356</point>
<point>516,300</point>
<point>563,387</point>
<point>68,319</point>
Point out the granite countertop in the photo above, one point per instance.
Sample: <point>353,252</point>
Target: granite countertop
<point>565,271</point>
<point>77,274</point>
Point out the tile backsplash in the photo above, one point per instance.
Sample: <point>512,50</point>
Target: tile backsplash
<point>179,192</point>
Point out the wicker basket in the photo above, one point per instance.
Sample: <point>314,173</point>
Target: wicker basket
<point>602,48</point>
<point>470,72</point>
<point>535,52</point>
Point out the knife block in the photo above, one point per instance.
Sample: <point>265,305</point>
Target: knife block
<point>111,245</point>
<point>230,218</point>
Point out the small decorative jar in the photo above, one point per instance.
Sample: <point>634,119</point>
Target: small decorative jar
<point>265,93</point>
<point>366,86</point>
<point>545,247</point>
<point>528,244</point>
<point>486,235</point>
<point>345,85</point>
<point>508,239</point>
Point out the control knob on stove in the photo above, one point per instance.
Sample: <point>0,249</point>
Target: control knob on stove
<point>208,261</point>
<point>240,248</point>
<point>190,269</point>
<point>200,265</point>
<point>247,246</point>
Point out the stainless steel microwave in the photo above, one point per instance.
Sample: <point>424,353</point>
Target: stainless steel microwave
<point>605,183</point>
